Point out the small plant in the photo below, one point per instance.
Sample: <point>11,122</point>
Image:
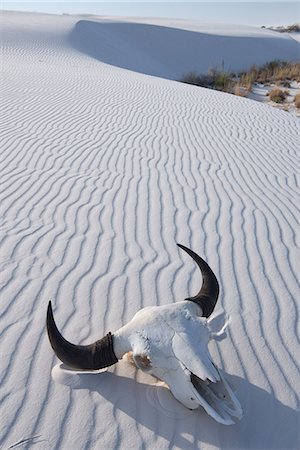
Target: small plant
<point>223,81</point>
<point>297,101</point>
<point>278,96</point>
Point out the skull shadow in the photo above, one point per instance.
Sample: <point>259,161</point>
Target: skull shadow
<point>266,423</point>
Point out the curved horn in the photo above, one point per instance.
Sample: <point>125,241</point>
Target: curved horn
<point>208,295</point>
<point>98,355</point>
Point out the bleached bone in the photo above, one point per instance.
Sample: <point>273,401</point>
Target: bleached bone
<point>169,342</point>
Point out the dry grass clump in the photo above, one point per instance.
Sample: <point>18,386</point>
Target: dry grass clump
<point>278,96</point>
<point>272,72</point>
<point>223,81</point>
<point>297,101</point>
<point>219,80</point>
<point>286,71</point>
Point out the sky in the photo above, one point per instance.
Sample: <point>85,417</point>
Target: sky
<point>268,13</point>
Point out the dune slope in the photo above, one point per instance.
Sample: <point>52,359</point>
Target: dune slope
<point>103,170</point>
<point>170,50</point>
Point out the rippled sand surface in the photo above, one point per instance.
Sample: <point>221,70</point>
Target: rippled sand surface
<point>103,170</point>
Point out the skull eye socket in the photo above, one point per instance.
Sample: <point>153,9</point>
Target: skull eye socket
<point>143,362</point>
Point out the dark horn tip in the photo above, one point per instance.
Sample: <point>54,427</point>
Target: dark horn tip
<point>50,318</point>
<point>208,295</point>
<point>49,310</point>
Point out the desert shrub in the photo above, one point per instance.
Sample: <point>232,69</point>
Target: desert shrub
<point>221,81</point>
<point>247,79</point>
<point>275,71</point>
<point>277,95</point>
<point>297,101</point>
<point>287,71</point>
<point>198,79</point>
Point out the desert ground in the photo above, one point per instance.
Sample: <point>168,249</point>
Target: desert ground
<point>106,162</point>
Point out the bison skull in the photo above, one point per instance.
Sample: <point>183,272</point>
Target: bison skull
<point>169,342</point>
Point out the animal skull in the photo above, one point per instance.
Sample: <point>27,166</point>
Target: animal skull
<point>169,342</point>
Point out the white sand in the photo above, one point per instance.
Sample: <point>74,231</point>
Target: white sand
<point>103,171</point>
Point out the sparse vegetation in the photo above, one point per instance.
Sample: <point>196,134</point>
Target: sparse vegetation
<point>297,101</point>
<point>274,72</point>
<point>279,73</point>
<point>223,81</point>
<point>278,96</point>
<point>192,78</point>
<point>219,80</point>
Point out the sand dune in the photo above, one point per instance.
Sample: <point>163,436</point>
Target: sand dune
<point>103,170</point>
<point>171,51</point>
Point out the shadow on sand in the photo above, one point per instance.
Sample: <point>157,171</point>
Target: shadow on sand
<point>266,424</point>
<point>171,52</point>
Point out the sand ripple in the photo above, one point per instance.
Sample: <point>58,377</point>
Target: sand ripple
<point>103,171</point>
